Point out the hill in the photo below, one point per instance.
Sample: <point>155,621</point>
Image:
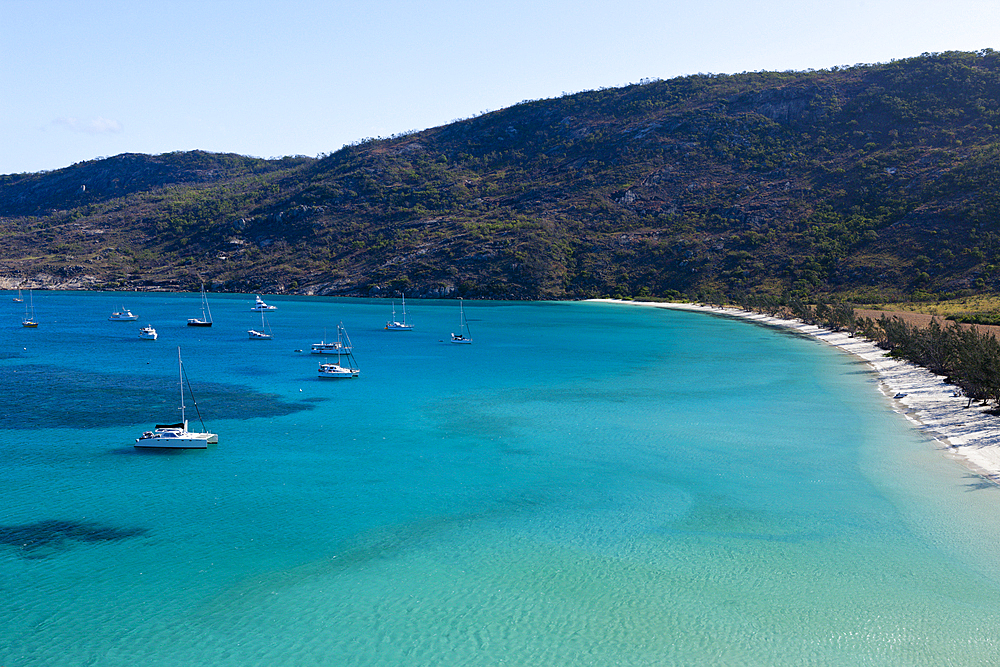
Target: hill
<point>869,183</point>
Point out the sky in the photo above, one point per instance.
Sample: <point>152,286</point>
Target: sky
<point>83,80</point>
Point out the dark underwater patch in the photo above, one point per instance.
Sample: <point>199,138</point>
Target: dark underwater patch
<point>37,396</point>
<point>46,538</point>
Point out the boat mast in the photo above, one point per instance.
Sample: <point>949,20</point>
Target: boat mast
<point>180,375</point>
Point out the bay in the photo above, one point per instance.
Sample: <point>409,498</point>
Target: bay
<point>584,484</point>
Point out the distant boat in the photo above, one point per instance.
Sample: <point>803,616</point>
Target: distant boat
<point>206,313</point>
<point>464,336</point>
<point>18,299</point>
<point>147,332</point>
<point>393,325</point>
<point>29,321</point>
<point>260,305</point>
<point>335,347</point>
<point>124,315</point>
<point>337,370</point>
<point>265,330</point>
<point>177,436</point>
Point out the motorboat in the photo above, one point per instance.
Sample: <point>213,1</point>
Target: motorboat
<point>147,332</point>
<point>124,315</point>
<point>335,347</point>
<point>177,436</point>
<point>260,305</point>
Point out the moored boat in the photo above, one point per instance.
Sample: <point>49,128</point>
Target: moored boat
<point>464,336</point>
<point>260,305</point>
<point>206,314</point>
<point>124,315</point>
<point>338,370</point>
<point>393,325</point>
<point>177,436</point>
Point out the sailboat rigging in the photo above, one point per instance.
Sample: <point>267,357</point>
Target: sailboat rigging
<point>337,370</point>
<point>29,321</point>
<point>177,436</point>
<point>393,325</point>
<point>265,330</point>
<point>206,314</point>
<point>463,326</point>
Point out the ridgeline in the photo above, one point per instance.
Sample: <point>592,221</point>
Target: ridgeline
<point>865,183</point>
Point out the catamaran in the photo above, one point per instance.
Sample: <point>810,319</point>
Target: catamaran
<point>177,436</point>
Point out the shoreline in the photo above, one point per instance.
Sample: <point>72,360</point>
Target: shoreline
<point>967,435</point>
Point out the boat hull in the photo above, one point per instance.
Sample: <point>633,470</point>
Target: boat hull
<point>171,443</point>
<point>199,323</point>
<point>174,438</point>
<point>323,348</point>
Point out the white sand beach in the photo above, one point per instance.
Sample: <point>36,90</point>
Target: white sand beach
<point>968,435</point>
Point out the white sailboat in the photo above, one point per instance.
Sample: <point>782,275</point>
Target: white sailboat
<point>265,330</point>
<point>464,336</point>
<point>18,298</point>
<point>206,314</point>
<point>338,370</point>
<point>393,325</point>
<point>29,321</point>
<point>177,436</point>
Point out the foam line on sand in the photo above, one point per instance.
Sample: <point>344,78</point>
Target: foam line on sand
<point>969,435</point>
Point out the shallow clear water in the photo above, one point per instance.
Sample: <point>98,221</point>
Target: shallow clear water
<point>586,484</point>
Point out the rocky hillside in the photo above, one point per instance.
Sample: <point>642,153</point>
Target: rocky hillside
<point>867,183</point>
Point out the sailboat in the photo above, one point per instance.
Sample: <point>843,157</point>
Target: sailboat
<point>265,330</point>
<point>177,436</point>
<point>393,325</point>
<point>29,321</point>
<point>18,298</point>
<point>206,313</point>
<point>336,371</point>
<point>460,337</point>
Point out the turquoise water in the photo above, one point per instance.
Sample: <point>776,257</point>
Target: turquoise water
<point>586,484</point>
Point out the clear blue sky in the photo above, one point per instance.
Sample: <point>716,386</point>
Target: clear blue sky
<point>80,80</point>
